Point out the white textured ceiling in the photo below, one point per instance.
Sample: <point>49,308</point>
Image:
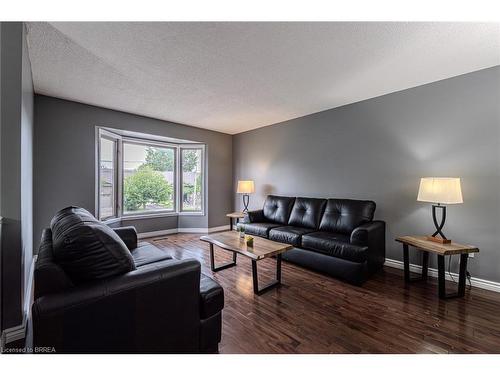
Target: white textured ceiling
<point>233,77</point>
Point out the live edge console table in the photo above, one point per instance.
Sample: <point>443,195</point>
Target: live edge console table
<point>441,250</point>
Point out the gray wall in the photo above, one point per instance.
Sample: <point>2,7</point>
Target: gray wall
<point>16,170</point>
<point>27,131</point>
<point>379,148</point>
<point>1,266</point>
<point>65,161</point>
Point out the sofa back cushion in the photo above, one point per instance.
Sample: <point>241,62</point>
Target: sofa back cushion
<point>87,249</point>
<point>277,209</point>
<point>306,212</point>
<point>343,215</point>
<point>49,276</point>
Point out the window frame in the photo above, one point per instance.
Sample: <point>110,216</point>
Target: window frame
<point>119,210</point>
<point>203,169</point>
<point>116,206</point>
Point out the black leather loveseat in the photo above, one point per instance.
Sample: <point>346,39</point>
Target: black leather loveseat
<point>335,236</point>
<point>98,290</point>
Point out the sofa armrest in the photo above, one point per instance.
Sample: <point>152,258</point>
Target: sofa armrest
<point>154,308</point>
<point>128,235</point>
<point>211,297</point>
<point>255,216</point>
<point>371,234</point>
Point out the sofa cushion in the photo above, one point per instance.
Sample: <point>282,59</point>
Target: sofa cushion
<point>289,234</point>
<point>211,297</point>
<point>49,276</point>
<point>334,244</point>
<point>277,209</point>
<point>306,212</point>
<point>344,215</point>
<point>256,216</point>
<point>87,249</point>
<point>145,253</point>
<point>259,229</point>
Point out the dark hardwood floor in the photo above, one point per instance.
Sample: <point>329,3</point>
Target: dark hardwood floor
<point>314,313</point>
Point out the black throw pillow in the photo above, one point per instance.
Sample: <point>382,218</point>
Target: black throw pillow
<point>87,249</point>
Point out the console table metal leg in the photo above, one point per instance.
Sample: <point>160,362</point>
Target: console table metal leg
<point>441,278</point>
<point>461,277</point>
<point>222,266</point>
<point>406,261</point>
<point>462,274</point>
<point>425,265</point>
<point>271,285</point>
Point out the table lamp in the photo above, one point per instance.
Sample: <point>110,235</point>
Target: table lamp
<point>440,190</point>
<point>245,188</point>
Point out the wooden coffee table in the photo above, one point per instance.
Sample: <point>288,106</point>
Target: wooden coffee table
<point>261,249</point>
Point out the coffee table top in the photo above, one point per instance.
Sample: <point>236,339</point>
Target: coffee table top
<point>261,248</point>
<point>441,249</point>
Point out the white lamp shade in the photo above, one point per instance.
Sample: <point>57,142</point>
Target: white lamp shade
<point>245,187</point>
<point>444,190</point>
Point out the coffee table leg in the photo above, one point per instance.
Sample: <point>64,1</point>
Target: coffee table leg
<point>271,285</point>
<point>222,266</point>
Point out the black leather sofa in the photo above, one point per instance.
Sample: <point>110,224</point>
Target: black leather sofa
<point>97,290</point>
<point>335,236</point>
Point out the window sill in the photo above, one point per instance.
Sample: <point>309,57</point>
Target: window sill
<point>188,213</point>
<point>148,216</point>
<point>151,216</point>
<point>112,220</point>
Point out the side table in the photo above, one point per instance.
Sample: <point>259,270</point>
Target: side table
<point>234,215</point>
<point>441,250</point>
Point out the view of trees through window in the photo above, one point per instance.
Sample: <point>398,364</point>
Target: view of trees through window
<point>148,178</point>
<point>191,179</point>
<point>137,176</point>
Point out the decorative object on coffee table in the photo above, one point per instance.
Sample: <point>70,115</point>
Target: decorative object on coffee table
<point>249,241</point>
<point>234,215</point>
<point>440,190</point>
<point>441,250</point>
<point>245,187</point>
<point>241,231</point>
<point>260,249</point>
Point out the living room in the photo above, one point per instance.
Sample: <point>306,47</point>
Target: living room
<point>252,187</point>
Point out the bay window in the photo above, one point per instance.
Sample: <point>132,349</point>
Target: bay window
<point>107,177</point>
<point>191,177</point>
<point>138,176</point>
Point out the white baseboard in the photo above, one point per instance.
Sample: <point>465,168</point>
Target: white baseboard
<point>192,230</point>
<point>181,230</point>
<point>15,333</point>
<point>203,230</point>
<point>218,229</point>
<point>156,233</point>
<point>432,272</point>
<point>19,332</point>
